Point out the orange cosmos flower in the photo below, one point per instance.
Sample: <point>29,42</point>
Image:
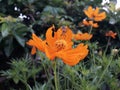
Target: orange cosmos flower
<point>59,43</point>
<point>94,14</point>
<point>82,36</point>
<point>90,23</point>
<point>111,34</point>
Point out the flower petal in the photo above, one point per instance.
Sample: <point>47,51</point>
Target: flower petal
<point>85,22</point>
<point>82,36</point>
<point>89,12</point>
<point>51,36</point>
<point>50,53</point>
<point>96,11</point>
<point>100,16</point>
<point>33,51</point>
<point>65,33</point>
<point>73,56</point>
<point>36,42</point>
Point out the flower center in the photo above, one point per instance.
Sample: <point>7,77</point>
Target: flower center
<point>60,44</point>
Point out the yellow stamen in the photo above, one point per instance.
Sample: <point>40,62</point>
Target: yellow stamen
<point>60,44</point>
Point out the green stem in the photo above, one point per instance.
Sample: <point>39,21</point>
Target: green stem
<point>55,77</point>
<point>42,58</point>
<point>104,72</point>
<point>45,71</point>
<point>27,85</point>
<point>107,45</point>
<point>24,81</point>
<point>90,30</point>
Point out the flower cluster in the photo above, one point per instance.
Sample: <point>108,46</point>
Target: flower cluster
<point>58,43</point>
<point>94,15</point>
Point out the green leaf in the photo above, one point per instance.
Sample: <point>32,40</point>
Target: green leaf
<point>20,40</point>
<point>20,29</point>
<point>5,30</point>
<point>8,46</point>
<point>53,10</point>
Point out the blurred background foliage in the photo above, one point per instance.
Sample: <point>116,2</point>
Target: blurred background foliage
<point>18,18</point>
